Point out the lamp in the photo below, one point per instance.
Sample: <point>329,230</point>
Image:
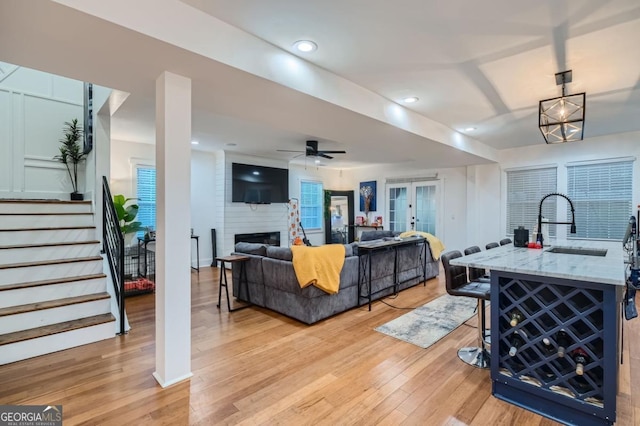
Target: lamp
<point>562,119</point>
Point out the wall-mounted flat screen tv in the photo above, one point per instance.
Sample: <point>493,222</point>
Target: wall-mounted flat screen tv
<point>259,184</point>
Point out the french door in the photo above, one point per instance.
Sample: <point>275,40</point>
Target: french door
<point>414,206</point>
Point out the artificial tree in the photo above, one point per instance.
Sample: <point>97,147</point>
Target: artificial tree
<point>71,153</point>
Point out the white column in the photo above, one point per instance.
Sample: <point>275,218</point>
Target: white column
<point>173,219</point>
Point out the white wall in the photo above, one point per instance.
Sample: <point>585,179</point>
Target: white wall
<point>33,109</point>
<point>452,193</point>
<point>491,180</point>
<point>204,213</point>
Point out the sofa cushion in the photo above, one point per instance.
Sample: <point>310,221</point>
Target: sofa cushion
<point>252,248</point>
<point>282,253</point>
<point>376,235</point>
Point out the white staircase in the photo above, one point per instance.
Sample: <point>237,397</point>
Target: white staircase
<point>53,293</point>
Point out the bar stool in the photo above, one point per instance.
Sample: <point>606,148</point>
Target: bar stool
<point>505,241</point>
<point>458,285</point>
<point>239,259</point>
<point>476,274</point>
<point>491,246</point>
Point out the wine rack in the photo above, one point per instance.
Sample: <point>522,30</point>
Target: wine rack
<point>536,318</point>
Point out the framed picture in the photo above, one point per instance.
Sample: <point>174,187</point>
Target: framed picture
<point>88,118</point>
<point>368,196</point>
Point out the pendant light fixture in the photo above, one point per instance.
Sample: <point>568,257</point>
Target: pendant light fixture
<point>562,119</point>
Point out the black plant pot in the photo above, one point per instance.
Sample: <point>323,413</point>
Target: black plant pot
<point>77,196</point>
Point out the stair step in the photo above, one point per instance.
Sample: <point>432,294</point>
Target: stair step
<point>20,253</point>
<point>50,262</point>
<point>49,269</point>
<point>44,219</point>
<point>64,243</point>
<point>50,304</point>
<point>50,282</point>
<point>48,330</point>
<point>29,206</point>
<point>33,235</point>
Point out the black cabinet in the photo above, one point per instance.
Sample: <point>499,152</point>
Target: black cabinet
<point>555,346</point>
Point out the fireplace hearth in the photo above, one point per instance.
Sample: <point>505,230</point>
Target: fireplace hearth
<point>271,238</point>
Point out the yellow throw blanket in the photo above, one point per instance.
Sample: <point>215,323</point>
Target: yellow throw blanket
<point>319,266</point>
<point>436,245</point>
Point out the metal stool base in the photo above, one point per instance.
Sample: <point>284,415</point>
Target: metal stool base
<point>476,357</point>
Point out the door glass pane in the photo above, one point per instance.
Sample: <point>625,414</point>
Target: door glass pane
<point>426,209</point>
<point>398,209</point>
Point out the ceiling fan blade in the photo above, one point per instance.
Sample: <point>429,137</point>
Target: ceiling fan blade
<point>332,152</point>
<point>323,155</point>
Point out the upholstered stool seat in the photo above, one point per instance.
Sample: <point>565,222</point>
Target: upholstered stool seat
<point>458,285</point>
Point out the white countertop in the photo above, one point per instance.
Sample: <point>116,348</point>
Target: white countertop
<point>609,269</point>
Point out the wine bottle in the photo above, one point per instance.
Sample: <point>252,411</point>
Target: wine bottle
<point>581,358</point>
<point>547,346</point>
<point>516,317</point>
<point>516,342</point>
<point>563,340</point>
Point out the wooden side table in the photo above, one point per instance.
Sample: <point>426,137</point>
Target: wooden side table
<point>231,259</point>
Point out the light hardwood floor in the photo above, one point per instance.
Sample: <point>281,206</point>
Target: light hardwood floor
<point>257,367</point>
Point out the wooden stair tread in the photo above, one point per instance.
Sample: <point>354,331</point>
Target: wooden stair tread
<point>50,262</point>
<point>48,330</point>
<point>48,228</point>
<point>42,201</point>
<point>68,243</point>
<point>49,304</point>
<point>50,282</point>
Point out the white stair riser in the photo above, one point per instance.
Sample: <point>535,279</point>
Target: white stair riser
<point>44,221</point>
<point>36,254</point>
<point>44,207</point>
<point>49,272</point>
<point>50,236</point>
<point>34,319</point>
<point>24,296</point>
<point>56,342</point>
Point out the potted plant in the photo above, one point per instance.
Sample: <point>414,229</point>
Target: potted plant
<point>127,215</point>
<point>71,153</point>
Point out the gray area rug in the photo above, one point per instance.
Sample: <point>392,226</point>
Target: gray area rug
<point>429,323</point>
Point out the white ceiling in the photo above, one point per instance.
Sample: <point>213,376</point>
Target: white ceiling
<point>482,64</point>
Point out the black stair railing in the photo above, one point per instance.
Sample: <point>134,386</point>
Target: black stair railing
<point>113,247</point>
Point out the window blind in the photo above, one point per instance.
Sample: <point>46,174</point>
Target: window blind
<point>602,197</point>
<point>525,189</point>
<point>311,205</point>
<point>146,197</point>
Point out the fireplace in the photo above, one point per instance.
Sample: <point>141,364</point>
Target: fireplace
<point>271,238</point>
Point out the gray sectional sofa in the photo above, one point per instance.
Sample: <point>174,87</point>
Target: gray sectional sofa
<point>272,282</point>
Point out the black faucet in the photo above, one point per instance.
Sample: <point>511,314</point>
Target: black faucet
<point>573,217</point>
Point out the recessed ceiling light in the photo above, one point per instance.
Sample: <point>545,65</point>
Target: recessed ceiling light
<point>469,129</point>
<point>410,99</point>
<point>255,172</point>
<point>195,143</point>
<point>305,46</point>
<point>230,144</point>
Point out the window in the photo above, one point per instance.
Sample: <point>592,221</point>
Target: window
<point>601,194</point>
<point>525,189</point>
<point>146,197</point>
<point>311,205</point>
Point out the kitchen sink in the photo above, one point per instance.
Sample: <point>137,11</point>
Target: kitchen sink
<point>578,250</point>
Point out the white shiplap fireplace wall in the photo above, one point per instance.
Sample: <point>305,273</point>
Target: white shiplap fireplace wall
<point>241,218</point>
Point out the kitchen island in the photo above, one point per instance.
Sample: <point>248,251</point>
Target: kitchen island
<point>555,321</point>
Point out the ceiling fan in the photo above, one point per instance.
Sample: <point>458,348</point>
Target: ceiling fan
<point>313,151</point>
